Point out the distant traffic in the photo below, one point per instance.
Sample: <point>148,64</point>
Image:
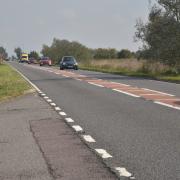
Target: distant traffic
<point>67,62</point>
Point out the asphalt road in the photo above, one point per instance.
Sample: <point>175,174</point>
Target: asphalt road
<point>142,136</point>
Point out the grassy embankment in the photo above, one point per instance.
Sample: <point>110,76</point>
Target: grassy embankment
<point>133,67</point>
<point>11,83</point>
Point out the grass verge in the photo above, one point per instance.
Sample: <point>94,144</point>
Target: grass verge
<point>128,71</point>
<point>11,83</point>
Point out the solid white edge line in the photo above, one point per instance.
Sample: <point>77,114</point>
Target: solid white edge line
<point>104,154</point>
<point>88,138</point>
<point>95,84</point>
<point>69,120</point>
<point>167,105</point>
<point>32,84</point>
<point>126,93</point>
<point>158,92</point>
<point>123,172</point>
<point>62,113</point>
<point>77,128</point>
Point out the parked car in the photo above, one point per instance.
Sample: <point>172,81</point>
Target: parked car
<point>32,61</point>
<point>45,61</point>
<point>68,62</point>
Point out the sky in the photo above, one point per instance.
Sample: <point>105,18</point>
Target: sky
<point>95,23</point>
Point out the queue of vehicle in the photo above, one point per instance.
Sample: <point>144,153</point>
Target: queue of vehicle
<point>67,62</point>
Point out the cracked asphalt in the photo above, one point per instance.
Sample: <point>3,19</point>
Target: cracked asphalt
<point>35,144</point>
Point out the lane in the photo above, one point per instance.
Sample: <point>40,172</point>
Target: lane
<point>141,135</point>
<point>167,87</point>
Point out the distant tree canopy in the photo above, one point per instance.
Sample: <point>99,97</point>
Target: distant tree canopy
<point>102,53</point>
<point>125,53</point>
<point>3,54</point>
<point>18,52</point>
<point>34,54</point>
<point>60,48</point>
<point>161,34</point>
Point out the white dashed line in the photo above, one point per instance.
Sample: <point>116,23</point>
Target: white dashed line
<point>57,108</point>
<point>133,95</point>
<point>158,92</point>
<point>123,172</point>
<point>77,128</point>
<point>49,100</point>
<point>69,120</point>
<point>103,153</point>
<point>43,94</point>
<point>167,105</point>
<point>53,104</point>
<point>95,84</point>
<point>45,97</point>
<point>62,113</point>
<point>88,138</point>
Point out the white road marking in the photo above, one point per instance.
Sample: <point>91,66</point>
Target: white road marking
<point>53,104</point>
<point>104,154</point>
<point>167,105</point>
<point>45,97</point>
<point>43,94</point>
<point>78,79</point>
<point>57,108</point>
<point>65,76</point>
<point>95,84</point>
<point>69,120</point>
<point>62,113</point>
<point>123,172</point>
<point>49,100</point>
<point>77,128</point>
<point>149,94</point>
<point>88,138</point>
<point>120,83</point>
<point>158,92</point>
<point>130,94</point>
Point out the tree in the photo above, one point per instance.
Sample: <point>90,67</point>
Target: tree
<point>161,34</point>
<point>18,52</point>
<point>125,53</point>
<point>60,48</point>
<point>102,53</point>
<point>3,54</point>
<point>34,54</point>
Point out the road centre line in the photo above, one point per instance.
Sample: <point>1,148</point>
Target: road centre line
<point>49,100</point>
<point>120,83</point>
<point>88,138</point>
<point>133,95</point>
<point>103,153</point>
<point>96,84</point>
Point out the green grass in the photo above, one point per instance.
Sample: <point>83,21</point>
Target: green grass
<point>11,83</point>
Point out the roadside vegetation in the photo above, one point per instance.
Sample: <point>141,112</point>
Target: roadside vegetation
<point>159,56</point>
<point>11,83</point>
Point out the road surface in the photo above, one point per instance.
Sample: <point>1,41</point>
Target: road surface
<point>141,135</point>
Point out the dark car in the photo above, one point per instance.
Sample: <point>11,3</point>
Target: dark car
<point>32,61</point>
<point>68,62</point>
<point>45,61</point>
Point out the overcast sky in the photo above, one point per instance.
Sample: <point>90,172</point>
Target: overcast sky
<point>94,23</point>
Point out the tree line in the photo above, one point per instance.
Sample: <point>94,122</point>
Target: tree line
<point>161,34</point>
